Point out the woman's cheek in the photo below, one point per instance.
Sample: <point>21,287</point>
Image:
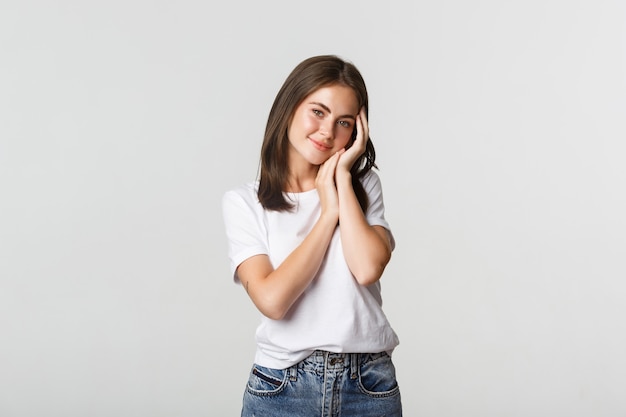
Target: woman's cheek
<point>310,124</point>
<point>342,141</point>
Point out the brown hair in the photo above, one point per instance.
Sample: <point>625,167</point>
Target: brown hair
<point>310,75</point>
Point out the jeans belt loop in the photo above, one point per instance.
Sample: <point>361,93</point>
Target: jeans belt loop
<point>293,372</point>
<point>354,365</point>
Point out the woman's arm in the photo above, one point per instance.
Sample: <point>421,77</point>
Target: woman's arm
<point>274,291</point>
<point>367,249</point>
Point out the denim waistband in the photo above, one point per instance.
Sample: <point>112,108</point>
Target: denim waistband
<point>322,361</point>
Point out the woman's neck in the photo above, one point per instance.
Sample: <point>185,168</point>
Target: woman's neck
<point>301,181</point>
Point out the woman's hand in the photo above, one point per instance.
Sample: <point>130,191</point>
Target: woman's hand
<point>326,188</point>
<point>349,157</point>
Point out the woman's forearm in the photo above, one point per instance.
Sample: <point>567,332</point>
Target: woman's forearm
<point>367,248</point>
<point>274,291</point>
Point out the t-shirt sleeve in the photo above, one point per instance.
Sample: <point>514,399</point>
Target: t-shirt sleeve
<point>245,233</point>
<point>375,213</point>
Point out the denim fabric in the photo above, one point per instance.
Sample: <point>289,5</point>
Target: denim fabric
<point>325,384</point>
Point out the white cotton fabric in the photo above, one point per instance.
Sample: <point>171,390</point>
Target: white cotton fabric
<point>334,313</point>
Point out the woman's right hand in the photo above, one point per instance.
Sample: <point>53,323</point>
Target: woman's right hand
<point>326,188</point>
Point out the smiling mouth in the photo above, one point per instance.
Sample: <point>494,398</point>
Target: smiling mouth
<point>320,146</point>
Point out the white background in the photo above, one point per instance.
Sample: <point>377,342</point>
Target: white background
<point>500,133</point>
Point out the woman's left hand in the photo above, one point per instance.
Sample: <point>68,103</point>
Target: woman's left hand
<point>349,157</point>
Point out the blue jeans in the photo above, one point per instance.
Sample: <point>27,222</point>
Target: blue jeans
<point>325,384</point>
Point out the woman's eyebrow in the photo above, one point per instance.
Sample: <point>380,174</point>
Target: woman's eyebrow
<point>325,107</point>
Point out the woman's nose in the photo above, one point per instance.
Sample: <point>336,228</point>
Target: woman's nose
<point>326,129</point>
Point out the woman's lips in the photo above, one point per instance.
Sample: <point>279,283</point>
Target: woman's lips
<point>319,145</point>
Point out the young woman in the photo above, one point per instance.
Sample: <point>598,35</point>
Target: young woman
<point>309,242</point>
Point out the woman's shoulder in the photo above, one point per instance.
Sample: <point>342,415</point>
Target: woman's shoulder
<point>246,193</point>
<point>370,179</point>
<point>247,188</point>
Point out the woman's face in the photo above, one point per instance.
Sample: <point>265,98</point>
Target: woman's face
<point>322,125</point>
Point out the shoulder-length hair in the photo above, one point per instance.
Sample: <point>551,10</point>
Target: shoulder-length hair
<point>310,75</point>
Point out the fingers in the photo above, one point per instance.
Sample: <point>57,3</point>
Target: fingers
<point>325,184</point>
<point>362,126</point>
<point>326,172</point>
<point>362,132</point>
<point>358,147</point>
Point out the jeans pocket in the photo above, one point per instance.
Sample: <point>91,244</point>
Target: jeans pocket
<point>266,381</point>
<point>377,377</point>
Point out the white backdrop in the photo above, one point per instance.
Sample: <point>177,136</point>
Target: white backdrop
<point>500,134</point>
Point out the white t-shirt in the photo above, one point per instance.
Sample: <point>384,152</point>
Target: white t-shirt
<point>335,313</point>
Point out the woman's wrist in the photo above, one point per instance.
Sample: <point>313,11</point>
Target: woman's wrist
<point>329,218</point>
<point>343,176</point>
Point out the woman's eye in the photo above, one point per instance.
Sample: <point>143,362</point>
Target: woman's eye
<point>318,112</point>
<point>344,123</point>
